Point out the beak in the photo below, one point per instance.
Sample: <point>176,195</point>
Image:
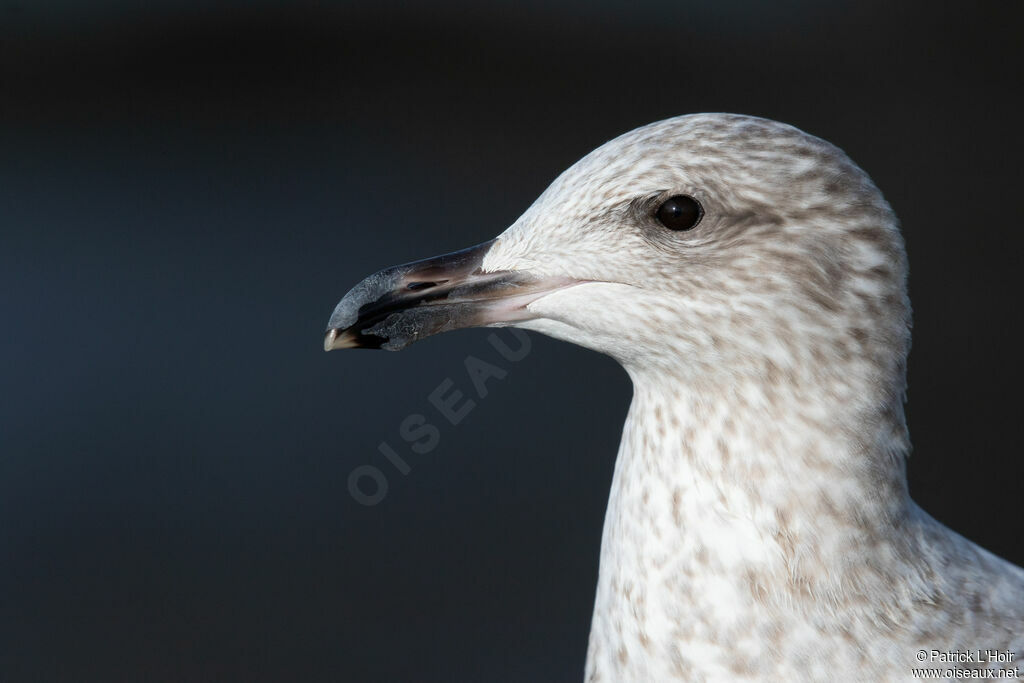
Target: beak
<point>399,305</point>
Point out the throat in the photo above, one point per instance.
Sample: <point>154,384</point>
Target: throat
<point>721,497</point>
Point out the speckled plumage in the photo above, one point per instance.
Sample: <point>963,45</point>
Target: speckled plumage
<point>759,525</point>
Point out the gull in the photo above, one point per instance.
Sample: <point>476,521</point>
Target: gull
<point>751,280</point>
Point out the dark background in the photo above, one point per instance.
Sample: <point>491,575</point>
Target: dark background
<point>186,190</point>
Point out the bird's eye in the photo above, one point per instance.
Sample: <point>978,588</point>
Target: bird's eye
<point>680,213</point>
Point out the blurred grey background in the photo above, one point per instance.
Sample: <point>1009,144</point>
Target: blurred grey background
<point>187,188</point>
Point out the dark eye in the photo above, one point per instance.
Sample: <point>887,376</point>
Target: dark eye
<point>680,212</point>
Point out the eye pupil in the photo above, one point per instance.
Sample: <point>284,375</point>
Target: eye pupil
<point>680,213</point>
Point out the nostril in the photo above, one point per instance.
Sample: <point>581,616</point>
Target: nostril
<point>415,286</point>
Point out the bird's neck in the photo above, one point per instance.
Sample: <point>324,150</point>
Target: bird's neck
<point>722,489</point>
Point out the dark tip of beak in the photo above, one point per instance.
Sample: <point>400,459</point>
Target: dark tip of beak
<point>403,304</point>
<point>395,294</point>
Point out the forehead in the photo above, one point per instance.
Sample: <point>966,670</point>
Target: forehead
<point>740,155</point>
<point>755,179</point>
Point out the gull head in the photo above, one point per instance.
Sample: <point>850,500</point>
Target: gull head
<point>703,245</point>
